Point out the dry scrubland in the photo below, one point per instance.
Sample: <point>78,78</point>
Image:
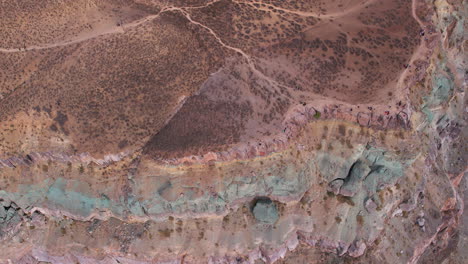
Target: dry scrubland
<point>116,72</point>
<point>232,131</point>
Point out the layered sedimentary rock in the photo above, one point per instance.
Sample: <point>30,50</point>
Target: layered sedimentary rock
<point>234,132</point>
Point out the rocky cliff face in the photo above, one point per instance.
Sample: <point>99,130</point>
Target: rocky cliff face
<point>261,164</point>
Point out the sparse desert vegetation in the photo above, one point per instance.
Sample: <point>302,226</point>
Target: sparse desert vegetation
<point>232,131</point>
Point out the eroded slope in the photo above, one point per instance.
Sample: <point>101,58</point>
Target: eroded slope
<point>234,132</point>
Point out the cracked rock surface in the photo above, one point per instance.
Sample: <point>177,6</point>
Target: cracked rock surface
<point>233,131</point>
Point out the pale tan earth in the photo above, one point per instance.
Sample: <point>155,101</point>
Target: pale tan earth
<point>233,131</point>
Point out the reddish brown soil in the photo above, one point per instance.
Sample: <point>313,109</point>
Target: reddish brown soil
<point>188,77</point>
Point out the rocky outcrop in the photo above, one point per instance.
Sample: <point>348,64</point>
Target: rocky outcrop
<point>347,183</point>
